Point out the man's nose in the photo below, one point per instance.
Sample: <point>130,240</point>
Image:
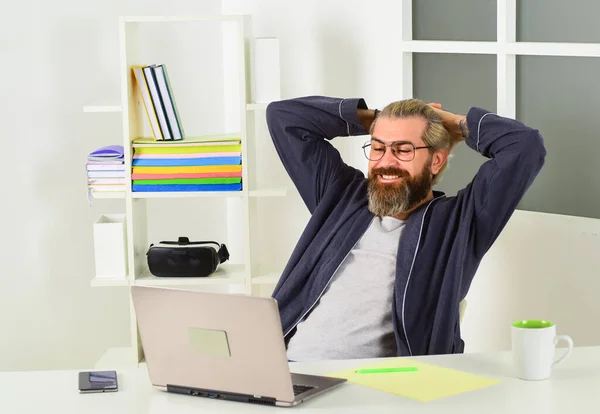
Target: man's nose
<point>388,159</point>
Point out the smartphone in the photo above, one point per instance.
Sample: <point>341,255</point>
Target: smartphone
<point>98,381</point>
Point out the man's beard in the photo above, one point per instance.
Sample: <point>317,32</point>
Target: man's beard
<point>393,199</point>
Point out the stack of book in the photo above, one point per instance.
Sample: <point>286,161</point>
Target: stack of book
<point>156,92</point>
<point>106,169</point>
<point>203,164</point>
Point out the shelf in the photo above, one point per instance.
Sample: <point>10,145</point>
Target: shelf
<point>108,194</point>
<point>269,192</point>
<point>256,106</point>
<point>192,18</point>
<point>226,275</point>
<point>102,108</point>
<point>268,279</point>
<point>109,281</point>
<point>187,194</point>
<point>118,108</point>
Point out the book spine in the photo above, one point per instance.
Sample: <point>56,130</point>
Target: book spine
<point>169,87</point>
<point>157,102</point>
<point>168,99</point>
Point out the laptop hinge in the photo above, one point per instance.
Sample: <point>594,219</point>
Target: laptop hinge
<point>221,395</point>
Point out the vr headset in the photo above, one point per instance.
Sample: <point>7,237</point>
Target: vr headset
<point>185,258</point>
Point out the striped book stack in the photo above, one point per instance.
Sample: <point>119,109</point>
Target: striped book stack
<point>106,170</point>
<point>202,164</point>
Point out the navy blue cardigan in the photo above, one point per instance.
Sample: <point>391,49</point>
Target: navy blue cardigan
<point>443,241</point>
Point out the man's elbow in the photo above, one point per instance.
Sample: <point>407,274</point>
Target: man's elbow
<point>536,150</point>
<point>273,112</point>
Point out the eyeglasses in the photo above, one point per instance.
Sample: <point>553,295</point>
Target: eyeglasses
<point>403,150</point>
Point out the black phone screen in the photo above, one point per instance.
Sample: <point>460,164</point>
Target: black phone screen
<point>98,381</point>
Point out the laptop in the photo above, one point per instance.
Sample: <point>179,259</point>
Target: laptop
<point>219,346</point>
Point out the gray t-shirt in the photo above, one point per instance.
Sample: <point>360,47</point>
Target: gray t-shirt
<point>353,318</point>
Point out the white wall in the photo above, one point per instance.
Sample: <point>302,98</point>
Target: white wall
<point>58,56</point>
<point>340,48</point>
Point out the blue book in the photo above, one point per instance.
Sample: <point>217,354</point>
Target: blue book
<point>185,162</point>
<point>185,187</point>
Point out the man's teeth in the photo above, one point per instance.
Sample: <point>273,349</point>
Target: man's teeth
<point>389,177</point>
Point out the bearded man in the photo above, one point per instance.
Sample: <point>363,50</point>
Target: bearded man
<point>384,261</point>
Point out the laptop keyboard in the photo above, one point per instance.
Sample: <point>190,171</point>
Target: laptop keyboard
<point>299,389</point>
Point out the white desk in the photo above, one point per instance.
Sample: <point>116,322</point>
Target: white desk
<point>574,388</point>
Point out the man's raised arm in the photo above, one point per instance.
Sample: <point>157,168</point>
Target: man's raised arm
<point>299,129</point>
<point>517,155</point>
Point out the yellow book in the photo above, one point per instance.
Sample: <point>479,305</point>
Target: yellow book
<point>206,140</point>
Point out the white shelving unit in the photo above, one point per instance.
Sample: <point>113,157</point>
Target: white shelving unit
<point>230,274</point>
<point>235,275</point>
<point>119,108</point>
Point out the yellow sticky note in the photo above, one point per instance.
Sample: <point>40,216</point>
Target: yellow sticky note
<point>427,383</point>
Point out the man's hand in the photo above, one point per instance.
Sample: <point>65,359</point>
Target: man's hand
<point>456,125</point>
<point>366,117</point>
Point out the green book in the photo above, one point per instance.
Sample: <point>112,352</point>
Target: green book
<point>168,99</point>
<point>188,150</point>
<point>232,180</point>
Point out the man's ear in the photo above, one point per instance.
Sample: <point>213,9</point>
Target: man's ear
<point>438,160</point>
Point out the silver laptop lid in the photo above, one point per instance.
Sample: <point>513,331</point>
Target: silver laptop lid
<point>210,341</point>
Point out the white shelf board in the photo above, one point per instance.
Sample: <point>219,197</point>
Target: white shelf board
<point>437,46</point>
<point>108,194</point>
<point>103,108</point>
<point>226,274</point>
<point>268,279</point>
<point>109,281</point>
<point>187,194</point>
<point>116,358</point>
<point>269,192</point>
<point>257,106</point>
<point>191,18</point>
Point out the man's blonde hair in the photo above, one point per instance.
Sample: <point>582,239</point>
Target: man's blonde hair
<point>436,136</point>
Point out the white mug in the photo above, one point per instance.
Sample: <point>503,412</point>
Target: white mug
<point>533,345</point>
